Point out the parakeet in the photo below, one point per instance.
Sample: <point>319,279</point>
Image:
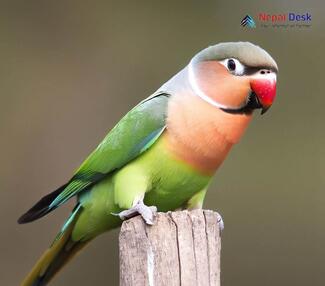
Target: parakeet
<point>163,153</point>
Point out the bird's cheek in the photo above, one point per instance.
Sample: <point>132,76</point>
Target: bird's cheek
<point>215,81</point>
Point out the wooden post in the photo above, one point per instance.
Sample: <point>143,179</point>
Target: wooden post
<point>181,248</point>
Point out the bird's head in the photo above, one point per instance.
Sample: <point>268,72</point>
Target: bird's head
<point>237,77</point>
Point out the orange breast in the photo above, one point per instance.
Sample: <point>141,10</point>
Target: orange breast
<point>201,134</point>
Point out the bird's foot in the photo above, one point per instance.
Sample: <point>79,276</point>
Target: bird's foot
<point>220,222</point>
<point>147,212</point>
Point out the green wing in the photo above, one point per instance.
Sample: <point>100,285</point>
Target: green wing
<point>133,134</point>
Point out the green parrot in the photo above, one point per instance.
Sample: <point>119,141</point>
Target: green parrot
<point>163,153</point>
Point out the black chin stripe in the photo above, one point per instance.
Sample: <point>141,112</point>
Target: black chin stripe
<point>251,104</point>
<point>238,111</point>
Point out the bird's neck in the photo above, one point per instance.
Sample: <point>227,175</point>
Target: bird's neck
<point>200,134</point>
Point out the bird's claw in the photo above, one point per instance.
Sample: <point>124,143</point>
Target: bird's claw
<point>220,222</point>
<point>147,212</point>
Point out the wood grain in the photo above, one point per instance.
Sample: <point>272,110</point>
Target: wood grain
<point>181,248</point>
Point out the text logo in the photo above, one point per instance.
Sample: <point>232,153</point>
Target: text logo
<point>284,17</point>
<point>248,21</point>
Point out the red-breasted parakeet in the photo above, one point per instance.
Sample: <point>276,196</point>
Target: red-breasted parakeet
<point>164,152</point>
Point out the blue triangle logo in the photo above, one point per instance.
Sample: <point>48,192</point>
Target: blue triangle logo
<point>248,22</point>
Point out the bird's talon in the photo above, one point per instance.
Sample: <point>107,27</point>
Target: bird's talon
<point>148,213</point>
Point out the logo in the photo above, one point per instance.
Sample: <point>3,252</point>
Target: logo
<point>248,21</point>
<point>291,17</point>
<point>278,20</point>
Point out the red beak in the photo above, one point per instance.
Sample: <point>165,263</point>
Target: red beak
<point>265,90</point>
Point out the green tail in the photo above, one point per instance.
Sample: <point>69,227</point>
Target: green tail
<point>60,252</point>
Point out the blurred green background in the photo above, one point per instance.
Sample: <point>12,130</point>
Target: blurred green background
<point>70,69</point>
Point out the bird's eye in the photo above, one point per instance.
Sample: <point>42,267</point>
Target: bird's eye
<point>231,65</point>
<point>234,66</point>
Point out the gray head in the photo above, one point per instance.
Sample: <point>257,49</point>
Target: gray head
<point>248,54</point>
<point>236,76</point>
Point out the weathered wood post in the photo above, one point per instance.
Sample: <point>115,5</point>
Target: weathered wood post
<point>182,248</point>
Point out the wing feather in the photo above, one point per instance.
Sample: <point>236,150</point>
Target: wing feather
<point>132,136</point>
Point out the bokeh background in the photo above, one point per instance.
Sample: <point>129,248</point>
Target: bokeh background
<point>70,69</point>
